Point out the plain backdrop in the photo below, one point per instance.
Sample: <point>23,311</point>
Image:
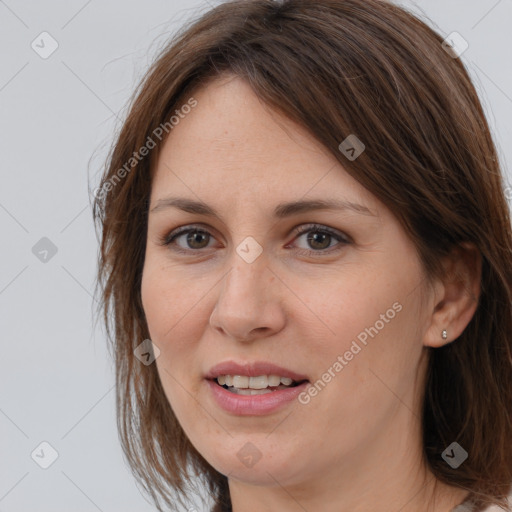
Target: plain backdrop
<point>57,116</point>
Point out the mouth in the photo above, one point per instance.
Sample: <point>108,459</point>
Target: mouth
<point>254,388</point>
<point>259,385</point>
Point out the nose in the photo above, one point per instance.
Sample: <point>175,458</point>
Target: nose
<point>249,304</point>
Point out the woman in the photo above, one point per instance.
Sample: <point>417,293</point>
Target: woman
<point>304,228</point>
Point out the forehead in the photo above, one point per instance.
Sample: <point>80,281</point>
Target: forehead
<point>232,143</point>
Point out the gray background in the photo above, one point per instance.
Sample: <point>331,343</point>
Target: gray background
<point>57,119</point>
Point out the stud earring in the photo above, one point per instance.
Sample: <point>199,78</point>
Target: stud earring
<point>444,334</point>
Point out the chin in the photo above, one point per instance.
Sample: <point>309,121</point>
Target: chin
<point>256,462</point>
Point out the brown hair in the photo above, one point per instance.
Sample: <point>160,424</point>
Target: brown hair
<point>336,67</point>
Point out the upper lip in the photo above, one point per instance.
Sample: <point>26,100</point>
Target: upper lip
<point>252,369</point>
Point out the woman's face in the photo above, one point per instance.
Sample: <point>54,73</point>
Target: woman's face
<point>341,309</point>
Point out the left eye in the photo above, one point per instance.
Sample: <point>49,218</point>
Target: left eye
<point>319,238</point>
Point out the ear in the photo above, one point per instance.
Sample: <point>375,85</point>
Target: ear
<point>456,295</point>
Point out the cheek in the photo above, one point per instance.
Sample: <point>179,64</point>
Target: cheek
<point>338,310</point>
<point>370,320</point>
<point>364,348</point>
<point>177,310</point>
<point>170,303</point>
<point>172,307</point>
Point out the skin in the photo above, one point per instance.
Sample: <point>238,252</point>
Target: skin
<point>356,446</point>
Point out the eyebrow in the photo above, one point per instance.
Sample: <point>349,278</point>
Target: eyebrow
<point>281,211</point>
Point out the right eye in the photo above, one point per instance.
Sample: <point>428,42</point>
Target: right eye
<point>195,236</point>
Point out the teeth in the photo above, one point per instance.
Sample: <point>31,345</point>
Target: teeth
<point>240,381</point>
<point>260,391</point>
<point>252,391</point>
<point>274,380</point>
<point>261,382</point>
<point>238,391</point>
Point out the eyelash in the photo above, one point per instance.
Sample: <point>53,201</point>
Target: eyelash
<point>170,239</point>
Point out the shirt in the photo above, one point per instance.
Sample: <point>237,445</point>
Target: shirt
<point>469,506</point>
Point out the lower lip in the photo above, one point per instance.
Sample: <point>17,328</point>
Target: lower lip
<point>254,405</point>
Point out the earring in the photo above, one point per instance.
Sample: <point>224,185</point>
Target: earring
<point>444,334</point>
